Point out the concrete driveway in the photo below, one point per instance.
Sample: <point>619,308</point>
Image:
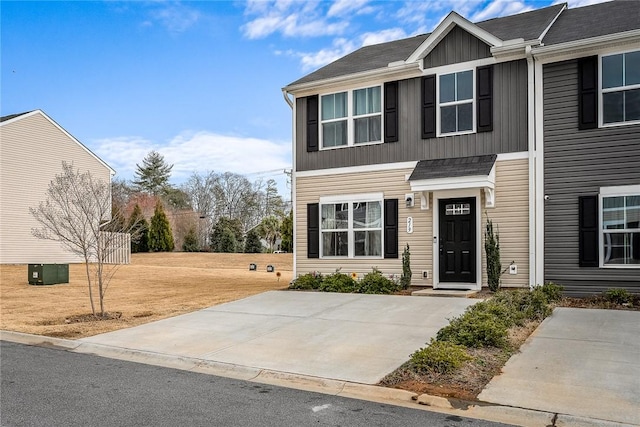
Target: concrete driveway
<point>349,337</point>
<point>578,362</point>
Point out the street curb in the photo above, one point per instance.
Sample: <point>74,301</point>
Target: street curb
<point>478,410</point>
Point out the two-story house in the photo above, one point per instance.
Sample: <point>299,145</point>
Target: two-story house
<point>419,141</point>
<point>588,127</point>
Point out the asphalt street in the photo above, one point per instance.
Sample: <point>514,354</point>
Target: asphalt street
<point>51,387</point>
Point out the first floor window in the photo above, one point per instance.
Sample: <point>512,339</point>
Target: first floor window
<point>621,88</point>
<point>351,229</point>
<point>621,230</point>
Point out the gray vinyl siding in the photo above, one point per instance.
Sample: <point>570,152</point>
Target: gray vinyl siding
<point>509,133</point>
<point>578,163</point>
<point>458,46</point>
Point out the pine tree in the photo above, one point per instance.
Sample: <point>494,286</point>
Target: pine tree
<point>153,176</point>
<point>139,230</point>
<point>286,230</point>
<point>190,243</point>
<point>252,243</point>
<point>160,235</point>
<point>227,241</point>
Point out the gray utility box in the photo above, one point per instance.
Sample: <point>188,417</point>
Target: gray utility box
<point>48,274</point>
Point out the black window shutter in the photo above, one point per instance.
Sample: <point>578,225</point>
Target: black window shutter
<point>588,93</point>
<point>313,230</point>
<point>429,106</point>
<point>391,228</point>
<point>484,93</point>
<point>391,112</point>
<point>312,123</point>
<point>588,231</point>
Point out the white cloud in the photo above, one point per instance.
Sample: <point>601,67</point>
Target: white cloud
<point>498,8</point>
<point>196,152</point>
<point>382,36</point>
<point>291,19</point>
<point>342,7</point>
<point>579,3</point>
<point>426,15</point>
<point>175,16</point>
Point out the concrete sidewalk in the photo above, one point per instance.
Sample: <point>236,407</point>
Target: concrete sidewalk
<point>348,337</point>
<point>578,362</point>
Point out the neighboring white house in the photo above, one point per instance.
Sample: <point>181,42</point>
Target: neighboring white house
<point>32,149</point>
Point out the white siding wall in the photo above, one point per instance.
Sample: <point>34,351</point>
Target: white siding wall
<point>32,150</point>
<point>510,215</point>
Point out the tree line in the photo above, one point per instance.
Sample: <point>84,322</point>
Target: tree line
<point>217,212</point>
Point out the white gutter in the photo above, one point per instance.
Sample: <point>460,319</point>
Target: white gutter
<point>390,71</point>
<point>531,138</point>
<point>285,94</point>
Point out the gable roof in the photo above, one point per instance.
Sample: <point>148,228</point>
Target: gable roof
<point>5,120</point>
<point>528,25</point>
<point>593,21</point>
<point>12,116</point>
<point>366,58</point>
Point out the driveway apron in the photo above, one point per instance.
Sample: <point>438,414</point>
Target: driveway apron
<point>578,362</point>
<point>349,337</point>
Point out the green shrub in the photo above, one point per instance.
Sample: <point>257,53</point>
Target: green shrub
<point>337,282</point>
<point>439,357</point>
<point>617,296</point>
<point>375,283</point>
<point>307,281</point>
<point>475,328</point>
<point>552,291</point>
<point>536,305</point>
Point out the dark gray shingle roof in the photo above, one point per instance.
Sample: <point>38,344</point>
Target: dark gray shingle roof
<point>456,167</point>
<point>527,25</point>
<point>11,116</point>
<point>366,58</point>
<point>595,20</point>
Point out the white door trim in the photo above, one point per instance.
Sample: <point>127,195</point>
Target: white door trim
<point>451,194</point>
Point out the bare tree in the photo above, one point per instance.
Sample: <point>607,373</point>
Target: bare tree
<point>77,213</point>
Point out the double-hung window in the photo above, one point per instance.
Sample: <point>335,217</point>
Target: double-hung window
<point>620,88</point>
<point>455,98</point>
<point>620,222</point>
<point>352,117</point>
<point>351,228</point>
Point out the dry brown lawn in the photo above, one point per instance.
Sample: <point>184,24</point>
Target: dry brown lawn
<point>152,287</point>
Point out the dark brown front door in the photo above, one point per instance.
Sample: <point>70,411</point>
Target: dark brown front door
<point>458,240</point>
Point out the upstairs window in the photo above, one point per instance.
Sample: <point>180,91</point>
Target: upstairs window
<point>621,88</point>
<point>455,102</point>
<point>350,118</point>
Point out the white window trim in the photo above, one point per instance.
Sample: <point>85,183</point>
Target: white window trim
<point>618,191</point>
<point>351,199</point>
<point>350,118</point>
<point>446,104</point>
<point>602,91</point>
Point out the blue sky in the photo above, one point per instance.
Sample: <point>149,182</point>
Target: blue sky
<point>200,82</point>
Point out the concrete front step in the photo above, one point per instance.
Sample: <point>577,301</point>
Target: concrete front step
<point>443,293</point>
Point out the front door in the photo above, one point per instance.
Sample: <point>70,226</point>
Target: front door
<point>457,240</point>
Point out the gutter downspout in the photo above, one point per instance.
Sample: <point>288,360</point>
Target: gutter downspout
<point>294,208</point>
<point>531,124</point>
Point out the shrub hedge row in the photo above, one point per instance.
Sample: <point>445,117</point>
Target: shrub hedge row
<point>372,283</point>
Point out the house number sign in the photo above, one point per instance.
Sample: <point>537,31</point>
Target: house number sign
<point>409,225</point>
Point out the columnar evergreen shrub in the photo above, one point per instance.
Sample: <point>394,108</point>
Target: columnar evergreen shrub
<point>492,252</point>
<point>160,235</point>
<point>190,243</point>
<point>405,279</point>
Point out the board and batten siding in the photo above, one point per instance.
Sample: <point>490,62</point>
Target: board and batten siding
<point>456,47</point>
<point>32,150</point>
<point>577,163</point>
<point>509,133</point>
<point>511,216</point>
